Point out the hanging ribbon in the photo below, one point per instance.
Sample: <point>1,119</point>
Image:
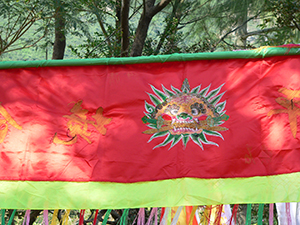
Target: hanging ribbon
<point>26,217</point>
<point>156,216</point>
<point>234,214</point>
<point>134,220</point>
<point>2,216</point>
<point>205,219</point>
<point>65,218</point>
<point>141,217</point>
<point>192,215</point>
<point>54,217</point>
<point>248,216</point>
<point>81,217</point>
<point>123,220</point>
<point>288,213</point>
<point>96,215</point>
<point>165,216</point>
<point>150,216</point>
<point>260,214</point>
<point>11,217</point>
<point>169,217</point>
<point>271,213</point>
<point>45,217</point>
<point>106,217</point>
<point>218,214</point>
<point>177,214</point>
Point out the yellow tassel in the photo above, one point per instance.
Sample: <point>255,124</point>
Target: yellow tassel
<point>192,215</point>
<point>54,217</point>
<point>65,218</point>
<point>205,219</point>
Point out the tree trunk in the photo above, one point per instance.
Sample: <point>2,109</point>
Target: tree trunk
<point>125,27</point>
<point>60,38</point>
<point>141,32</point>
<point>140,36</point>
<point>118,35</point>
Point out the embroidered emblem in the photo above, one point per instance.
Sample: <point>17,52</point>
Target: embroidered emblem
<point>185,115</point>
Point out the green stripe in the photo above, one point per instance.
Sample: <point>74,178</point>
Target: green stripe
<point>164,193</point>
<point>248,215</point>
<point>244,54</point>
<point>106,216</point>
<point>11,217</point>
<point>2,216</point>
<point>260,214</point>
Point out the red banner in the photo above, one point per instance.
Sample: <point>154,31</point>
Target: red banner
<point>151,121</point>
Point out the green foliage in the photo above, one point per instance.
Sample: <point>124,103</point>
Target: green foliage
<point>93,27</point>
<point>286,12</point>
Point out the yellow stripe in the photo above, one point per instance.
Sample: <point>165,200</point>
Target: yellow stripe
<point>54,217</point>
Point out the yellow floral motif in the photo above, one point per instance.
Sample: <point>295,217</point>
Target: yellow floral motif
<point>78,124</point>
<point>289,103</point>
<point>4,123</point>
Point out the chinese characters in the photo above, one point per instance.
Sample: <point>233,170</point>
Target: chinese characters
<point>289,103</point>
<point>4,123</point>
<point>78,124</point>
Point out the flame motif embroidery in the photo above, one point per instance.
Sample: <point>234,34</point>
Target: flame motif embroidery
<point>185,115</point>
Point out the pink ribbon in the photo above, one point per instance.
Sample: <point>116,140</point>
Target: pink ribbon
<point>271,213</point>
<point>46,217</point>
<point>288,213</point>
<point>141,218</point>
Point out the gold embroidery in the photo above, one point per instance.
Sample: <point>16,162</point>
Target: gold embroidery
<point>78,124</point>
<point>290,108</point>
<point>100,121</point>
<point>4,123</point>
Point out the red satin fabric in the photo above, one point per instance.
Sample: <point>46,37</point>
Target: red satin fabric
<point>254,144</point>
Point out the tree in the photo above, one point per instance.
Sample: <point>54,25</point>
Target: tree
<point>17,17</point>
<point>149,11</point>
<point>286,13</point>
<point>121,32</point>
<point>60,27</point>
<point>67,19</point>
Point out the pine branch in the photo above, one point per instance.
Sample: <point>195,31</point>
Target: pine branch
<point>235,29</point>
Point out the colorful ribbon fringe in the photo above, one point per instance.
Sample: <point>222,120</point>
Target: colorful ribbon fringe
<point>204,215</point>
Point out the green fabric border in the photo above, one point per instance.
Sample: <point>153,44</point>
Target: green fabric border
<point>164,193</point>
<point>242,54</point>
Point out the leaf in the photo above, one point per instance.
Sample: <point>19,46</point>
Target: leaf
<point>213,133</point>
<point>154,99</point>
<point>149,108</point>
<point>159,93</point>
<point>204,91</point>
<point>214,92</point>
<point>196,141</point>
<point>170,93</point>
<point>156,135</point>
<point>185,139</point>
<point>220,106</point>
<point>176,90</point>
<point>185,88</point>
<point>205,141</point>
<point>168,139</point>
<point>196,89</point>
<point>175,141</point>
<point>216,99</point>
